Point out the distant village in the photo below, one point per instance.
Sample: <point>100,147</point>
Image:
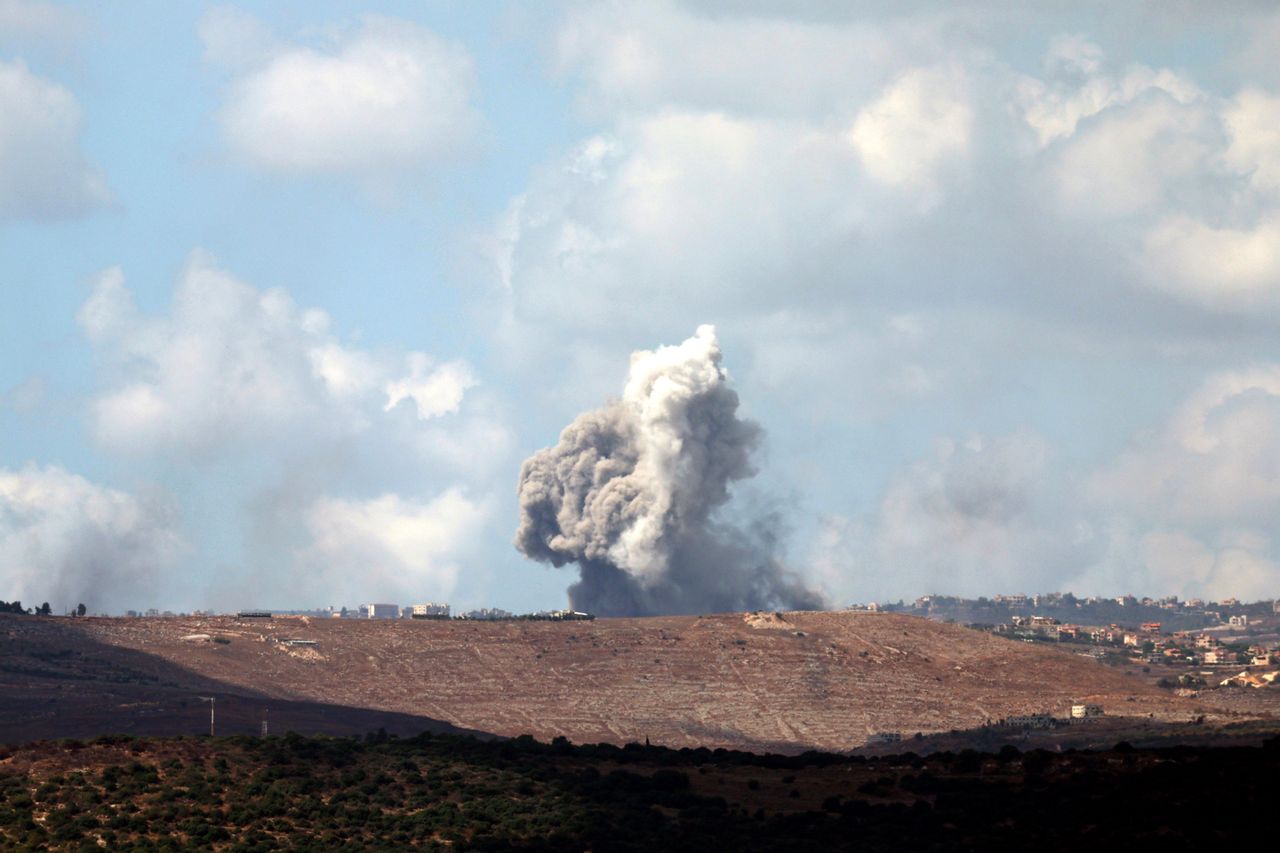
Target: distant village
<point>429,610</point>
<point>1195,639</point>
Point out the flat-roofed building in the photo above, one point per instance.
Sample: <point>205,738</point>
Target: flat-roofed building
<point>430,610</point>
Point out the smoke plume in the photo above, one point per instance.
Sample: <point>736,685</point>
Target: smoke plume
<point>630,491</point>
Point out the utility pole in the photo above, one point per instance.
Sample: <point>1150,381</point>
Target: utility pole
<point>212,700</point>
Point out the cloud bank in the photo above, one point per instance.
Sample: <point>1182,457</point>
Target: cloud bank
<point>1187,509</point>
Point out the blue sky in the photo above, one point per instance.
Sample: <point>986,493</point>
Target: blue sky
<point>288,291</point>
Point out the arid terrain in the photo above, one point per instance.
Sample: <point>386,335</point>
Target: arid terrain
<point>781,682</point>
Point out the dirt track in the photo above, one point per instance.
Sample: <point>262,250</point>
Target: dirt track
<point>814,680</point>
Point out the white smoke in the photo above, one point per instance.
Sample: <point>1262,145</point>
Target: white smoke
<point>630,491</point>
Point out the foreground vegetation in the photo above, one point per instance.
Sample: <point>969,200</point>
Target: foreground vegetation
<point>460,793</point>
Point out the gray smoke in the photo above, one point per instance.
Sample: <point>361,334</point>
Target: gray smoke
<point>630,492</point>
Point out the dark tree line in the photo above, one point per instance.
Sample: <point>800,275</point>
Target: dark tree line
<point>15,606</point>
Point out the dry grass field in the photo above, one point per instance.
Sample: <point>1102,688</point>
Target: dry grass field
<point>788,682</point>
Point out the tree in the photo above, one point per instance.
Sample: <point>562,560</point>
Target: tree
<point>80,610</point>
<point>45,609</point>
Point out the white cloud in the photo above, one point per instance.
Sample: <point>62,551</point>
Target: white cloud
<point>1214,462</point>
<point>389,547</point>
<point>1078,85</point>
<point>43,172</point>
<point>1133,158</point>
<point>1187,510</point>
<point>434,390</point>
<point>1177,560</point>
<point>920,123</point>
<point>678,213</point>
<point>66,540</point>
<point>1223,268</point>
<point>1253,121</point>
<point>936,170</point>
<point>228,365</point>
<point>264,405</point>
<point>232,366</point>
<point>387,99</point>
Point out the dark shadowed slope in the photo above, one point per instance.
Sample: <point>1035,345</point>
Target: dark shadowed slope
<point>57,680</point>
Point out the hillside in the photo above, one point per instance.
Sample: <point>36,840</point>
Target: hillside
<point>822,680</point>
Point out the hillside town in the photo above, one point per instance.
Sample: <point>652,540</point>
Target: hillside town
<point>1198,641</point>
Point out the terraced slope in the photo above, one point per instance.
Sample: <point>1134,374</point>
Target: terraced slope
<point>788,683</point>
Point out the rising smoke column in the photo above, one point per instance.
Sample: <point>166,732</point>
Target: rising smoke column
<point>630,491</point>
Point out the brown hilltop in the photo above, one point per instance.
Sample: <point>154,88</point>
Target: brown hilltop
<point>789,682</point>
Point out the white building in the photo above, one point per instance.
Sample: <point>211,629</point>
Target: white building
<point>382,611</point>
<point>1084,710</point>
<point>429,610</point>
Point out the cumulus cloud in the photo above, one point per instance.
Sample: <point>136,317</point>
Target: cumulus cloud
<point>232,365</point>
<point>878,163</point>
<point>66,540</point>
<point>44,174</point>
<point>918,125</point>
<point>1190,178</point>
<point>1167,143</point>
<point>388,547</point>
<point>1253,122</point>
<point>386,99</point>
<point>1177,560</point>
<point>1219,267</point>
<point>1215,461</point>
<point>675,213</point>
<point>1186,510</point>
<point>239,379</point>
<point>434,390</point>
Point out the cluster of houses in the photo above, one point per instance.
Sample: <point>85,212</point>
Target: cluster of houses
<point>1196,648</point>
